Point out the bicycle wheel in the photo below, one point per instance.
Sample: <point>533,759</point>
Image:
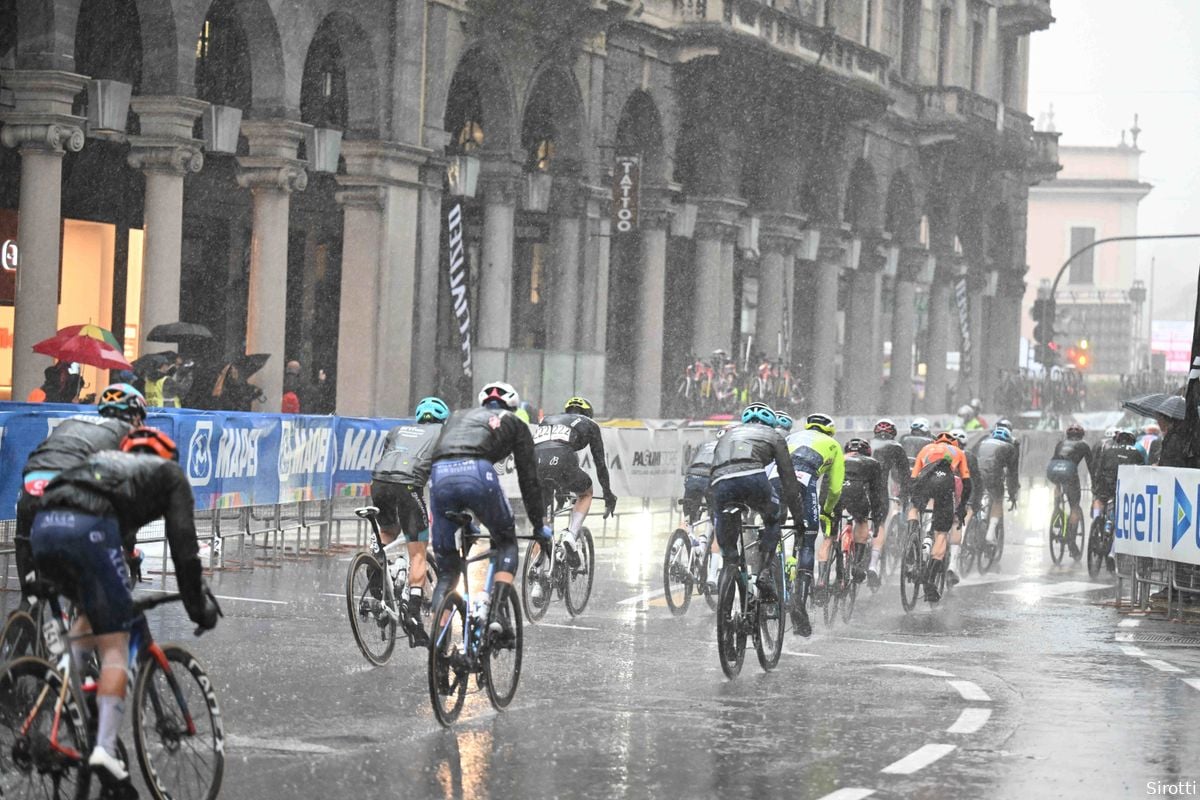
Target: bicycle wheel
<point>989,554</point>
<point>772,622</point>
<point>502,659</point>
<point>1077,535</point>
<point>833,589</point>
<point>710,593</point>
<point>677,575</point>
<point>1058,535</point>
<point>911,571</point>
<point>967,550</point>
<point>1095,547</point>
<point>579,579</point>
<point>19,637</point>
<point>30,767</point>
<point>535,602</point>
<point>449,670</point>
<point>374,629</point>
<point>177,730</point>
<point>850,594</point>
<point>731,613</point>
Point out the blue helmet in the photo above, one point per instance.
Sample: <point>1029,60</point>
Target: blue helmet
<point>760,412</point>
<point>1003,434</point>
<point>432,409</point>
<point>785,422</point>
<point>122,401</point>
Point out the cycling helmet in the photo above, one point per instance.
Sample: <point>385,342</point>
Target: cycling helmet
<point>1003,434</point>
<point>920,425</point>
<point>432,409</point>
<point>946,437</point>
<point>1004,422</point>
<point>785,422</point>
<point>1125,436</point>
<point>860,446</point>
<point>760,412</point>
<point>501,394</point>
<point>976,404</point>
<point>966,411</point>
<point>885,429</point>
<point>820,422</point>
<point>960,436</point>
<point>1110,433</point>
<point>578,405</point>
<point>122,401</point>
<point>150,441</point>
<point>1074,431</point>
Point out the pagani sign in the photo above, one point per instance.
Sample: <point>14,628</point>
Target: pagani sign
<point>8,255</point>
<point>627,175</point>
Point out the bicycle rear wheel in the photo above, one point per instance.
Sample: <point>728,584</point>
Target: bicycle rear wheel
<point>1058,535</point>
<point>177,730</point>
<point>710,594</point>
<point>851,591</point>
<point>535,603</point>
<point>449,670</point>
<point>911,571</point>
<point>768,633</point>
<point>677,575</point>
<point>967,550</point>
<point>579,579</point>
<point>989,554</point>
<point>1076,535</point>
<point>833,588</point>
<point>374,629</point>
<point>502,659</point>
<point>29,766</point>
<point>19,637</point>
<point>731,613</point>
<point>1095,547</point>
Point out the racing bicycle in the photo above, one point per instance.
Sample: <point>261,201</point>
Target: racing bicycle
<point>685,566</point>
<point>567,575</point>
<point>1100,540</point>
<point>1062,532</point>
<point>741,612</point>
<point>988,554</point>
<point>917,562</point>
<point>839,574</point>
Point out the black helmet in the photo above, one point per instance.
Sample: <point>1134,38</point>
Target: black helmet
<point>860,446</point>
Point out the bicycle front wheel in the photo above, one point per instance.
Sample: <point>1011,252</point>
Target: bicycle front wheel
<point>374,629</point>
<point>731,613</point>
<point>768,634</point>
<point>502,658</point>
<point>911,572</point>
<point>19,638</point>
<point>30,766</point>
<point>177,730</point>
<point>535,583</point>
<point>1058,536</point>
<point>677,577</point>
<point>1096,551</point>
<point>449,670</point>
<point>579,579</point>
<point>710,592</point>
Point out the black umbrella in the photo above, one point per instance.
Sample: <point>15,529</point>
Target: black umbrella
<point>150,363</point>
<point>178,331</point>
<point>1171,406</point>
<point>250,363</point>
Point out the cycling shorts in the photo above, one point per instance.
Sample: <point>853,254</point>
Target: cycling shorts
<point>856,501</point>
<point>938,487</point>
<point>84,556</point>
<point>559,464</point>
<point>401,507</point>
<point>754,491</point>
<point>810,500</point>
<point>471,484</point>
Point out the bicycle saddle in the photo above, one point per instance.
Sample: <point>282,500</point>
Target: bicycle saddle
<point>461,518</point>
<point>367,512</point>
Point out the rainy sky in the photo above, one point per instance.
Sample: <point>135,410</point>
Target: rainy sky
<point>1104,60</point>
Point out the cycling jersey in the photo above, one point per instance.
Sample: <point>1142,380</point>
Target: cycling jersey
<point>407,454</point>
<point>865,491</point>
<point>1108,461</point>
<point>934,473</point>
<point>913,443</point>
<point>893,460</point>
<point>702,459</point>
<point>574,432</point>
<point>747,450</point>
<point>1075,450</point>
<point>998,465</point>
<point>819,455</point>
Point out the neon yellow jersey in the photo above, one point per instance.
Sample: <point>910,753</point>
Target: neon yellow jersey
<point>819,454</point>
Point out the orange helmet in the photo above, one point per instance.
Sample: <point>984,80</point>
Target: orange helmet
<point>150,441</point>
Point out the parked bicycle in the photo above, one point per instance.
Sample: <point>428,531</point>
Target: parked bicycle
<point>377,595</point>
<point>1100,541</point>
<point>469,638</point>
<point>48,717</point>
<point>567,575</point>
<point>1062,532</point>
<point>741,612</point>
<point>686,566</point>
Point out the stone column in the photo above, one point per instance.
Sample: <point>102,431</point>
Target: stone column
<point>271,172</point>
<point>165,151</point>
<point>904,313</point>
<point>654,223</point>
<point>358,322</point>
<point>500,188</point>
<point>863,352</point>
<point>593,319</point>
<point>40,127</point>
<point>569,204</point>
<point>712,300</point>
<point>777,242</point>
<point>941,295</point>
<point>431,278</point>
<point>831,258</point>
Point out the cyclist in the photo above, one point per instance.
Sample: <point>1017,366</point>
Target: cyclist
<point>973,504</point>
<point>864,498</point>
<point>919,434</point>
<point>997,472</point>
<point>397,489</point>
<point>969,419</point>
<point>464,479</point>
<point>121,407</point>
<point>785,423</point>
<point>739,475</point>
<point>1063,472</point>
<point>555,442</point>
<point>934,474</point>
<point>894,463</point>
<point>88,520</point>
<point>1108,460</point>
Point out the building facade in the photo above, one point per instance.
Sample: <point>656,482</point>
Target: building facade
<point>1095,197</point>
<point>808,179</point>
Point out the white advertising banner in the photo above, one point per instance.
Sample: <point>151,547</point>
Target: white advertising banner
<point>1157,513</point>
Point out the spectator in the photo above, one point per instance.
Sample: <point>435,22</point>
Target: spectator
<point>323,394</point>
<point>62,383</point>
<point>295,399</point>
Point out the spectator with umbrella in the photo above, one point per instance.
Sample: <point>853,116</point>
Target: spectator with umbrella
<point>233,391</point>
<point>77,344</point>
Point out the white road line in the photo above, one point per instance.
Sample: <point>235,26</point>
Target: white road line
<point>970,720</point>
<point>1160,665</point>
<point>333,594</point>
<point>919,759</point>
<point>984,580</point>
<point>224,597</point>
<point>970,691</point>
<point>559,625</point>
<point>803,655</point>
<point>1129,622</point>
<point>650,595</point>
<point>1038,590</point>
<point>1193,682</point>
<point>278,745</point>
<point>848,794</point>
<point>1136,652</point>
<point>888,641</point>
<point>937,673</point>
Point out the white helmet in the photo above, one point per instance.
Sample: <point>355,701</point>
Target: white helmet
<point>966,411</point>
<point>920,425</point>
<point>960,435</point>
<point>500,392</point>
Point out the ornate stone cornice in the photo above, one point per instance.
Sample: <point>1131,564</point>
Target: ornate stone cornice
<point>265,173</point>
<point>172,156</point>
<point>780,232</point>
<point>717,218</point>
<point>360,195</point>
<point>43,132</point>
<point>835,239</point>
<point>41,118</point>
<point>163,116</point>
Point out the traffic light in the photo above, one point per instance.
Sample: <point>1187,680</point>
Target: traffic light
<point>1043,331</point>
<point>1080,355</point>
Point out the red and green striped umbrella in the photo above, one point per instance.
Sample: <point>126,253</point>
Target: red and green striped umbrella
<point>85,344</point>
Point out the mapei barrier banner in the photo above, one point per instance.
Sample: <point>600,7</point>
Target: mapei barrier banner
<point>1157,512</point>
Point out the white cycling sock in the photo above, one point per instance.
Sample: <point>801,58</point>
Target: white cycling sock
<point>714,567</point>
<point>875,555</point>
<point>991,530</point>
<point>954,548</point>
<point>112,710</point>
<point>575,524</point>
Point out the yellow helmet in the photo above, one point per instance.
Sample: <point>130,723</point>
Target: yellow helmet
<point>580,405</point>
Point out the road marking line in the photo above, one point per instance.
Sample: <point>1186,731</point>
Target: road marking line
<point>1129,623</point>
<point>224,597</point>
<point>970,691</point>
<point>984,580</point>
<point>1160,665</point>
<point>970,720</point>
<point>560,625</point>
<point>1038,590</point>
<point>848,794</point>
<point>643,596</point>
<point>1193,682</point>
<point>919,759</point>
<point>279,745</point>
<point>1136,652</point>
<point>937,673</point>
<point>333,594</point>
<point>888,641</point>
<point>802,655</point>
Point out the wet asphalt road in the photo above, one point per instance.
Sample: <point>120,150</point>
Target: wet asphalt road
<point>1022,684</point>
